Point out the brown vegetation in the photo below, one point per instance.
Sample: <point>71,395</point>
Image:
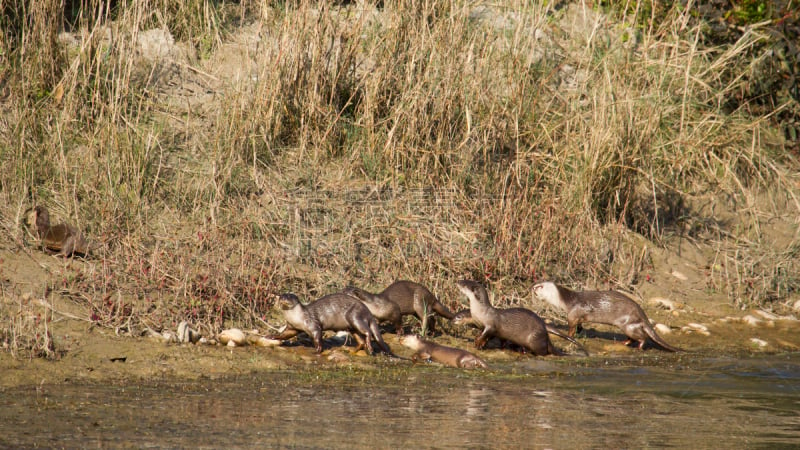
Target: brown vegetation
<point>304,146</point>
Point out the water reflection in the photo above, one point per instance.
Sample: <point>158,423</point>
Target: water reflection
<point>693,403</point>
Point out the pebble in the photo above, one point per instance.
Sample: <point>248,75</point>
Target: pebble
<point>232,337</point>
<point>696,328</point>
<point>766,314</point>
<point>169,337</point>
<point>662,329</point>
<point>261,341</point>
<point>678,275</point>
<point>665,303</point>
<point>165,337</point>
<point>751,320</point>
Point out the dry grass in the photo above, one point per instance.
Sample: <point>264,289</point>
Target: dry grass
<point>427,140</point>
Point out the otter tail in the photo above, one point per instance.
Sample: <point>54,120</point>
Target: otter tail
<point>557,332</point>
<point>442,310</point>
<point>661,343</point>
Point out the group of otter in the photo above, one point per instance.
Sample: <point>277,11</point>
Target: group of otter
<point>359,312</point>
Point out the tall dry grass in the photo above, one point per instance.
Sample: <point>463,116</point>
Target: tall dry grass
<point>425,139</point>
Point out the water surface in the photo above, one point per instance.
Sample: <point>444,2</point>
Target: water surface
<point>637,402</point>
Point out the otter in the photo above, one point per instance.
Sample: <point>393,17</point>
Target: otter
<point>449,356</point>
<point>383,309</point>
<point>412,298</point>
<point>520,326</point>
<point>58,239</point>
<point>464,317</point>
<point>607,307</point>
<point>332,312</point>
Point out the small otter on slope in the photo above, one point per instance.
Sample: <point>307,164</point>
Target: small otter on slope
<point>336,312</point>
<point>59,239</point>
<point>449,356</point>
<point>608,307</point>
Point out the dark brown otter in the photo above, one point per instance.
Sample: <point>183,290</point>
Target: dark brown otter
<point>412,298</point>
<point>464,317</point>
<point>608,307</point>
<point>335,312</point>
<point>449,356</point>
<point>520,326</point>
<point>58,239</point>
<point>383,309</point>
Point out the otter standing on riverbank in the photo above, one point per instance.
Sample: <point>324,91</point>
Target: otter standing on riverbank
<point>519,325</point>
<point>464,317</point>
<point>449,356</point>
<point>335,312</point>
<point>608,307</point>
<point>58,239</point>
<point>383,310</point>
<point>412,298</point>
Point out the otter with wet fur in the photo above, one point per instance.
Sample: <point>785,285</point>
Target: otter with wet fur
<point>520,326</point>
<point>382,309</point>
<point>464,317</point>
<point>412,298</point>
<point>335,312</point>
<point>60,239</point>
<point>607,307</point>
<point>449,356</point>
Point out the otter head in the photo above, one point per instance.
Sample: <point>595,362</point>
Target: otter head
<point>42,219</point>
<point>473,291</point>
<point>464,317</point>
<point>461,317</point>
<point>411,341</point>
<point>288,301</point>
<point>548,291</point>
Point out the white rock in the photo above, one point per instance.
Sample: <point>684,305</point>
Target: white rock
<point>766,314</point>
<point>678,275</point>
<point>752,320</point>
<point>186,334</point>
<point>662,329</point>
<point>168,337</point>
<point>759,342</point>
<point>232,337</point>
<point>261,341</point>
<point>697,326</point>
<point>665,303</point>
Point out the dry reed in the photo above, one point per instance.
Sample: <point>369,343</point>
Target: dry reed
<point>427,139</point>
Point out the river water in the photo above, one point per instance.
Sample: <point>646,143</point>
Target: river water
<point>652,400</point>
